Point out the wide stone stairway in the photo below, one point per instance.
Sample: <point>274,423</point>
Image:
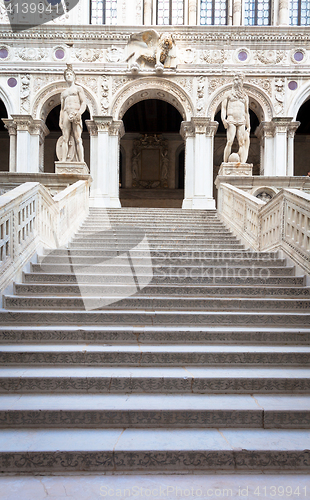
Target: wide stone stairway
<point>155,342</point>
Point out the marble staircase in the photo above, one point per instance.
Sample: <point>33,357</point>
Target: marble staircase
<point>156,342</point>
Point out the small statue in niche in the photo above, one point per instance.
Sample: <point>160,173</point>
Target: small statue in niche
<point>236,120</point>
<point>69,146</point>
<point>148,47</point>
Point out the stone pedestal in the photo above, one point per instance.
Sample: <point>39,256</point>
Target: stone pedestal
<point>74,167</point>
<point>233,168</point>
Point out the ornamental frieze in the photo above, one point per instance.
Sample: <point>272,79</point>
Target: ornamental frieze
<point>270,56</point>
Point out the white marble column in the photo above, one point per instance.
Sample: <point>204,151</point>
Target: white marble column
<point>265,132</point>
<point>116,132</point>
<point>38,131</point>
<point>281,126</point>
<point>147,12</point>
<point>104,161</point>
<point>283,13</point>
<point>237,12</point>
<point>24,156</point>
<point>10,125</point>
<point>199,135</point>
<point>192,12</point>
<point>292,127</point>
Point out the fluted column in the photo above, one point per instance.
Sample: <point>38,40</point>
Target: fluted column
<point>265,132</point>
<point>24,155</point>
<point>292,127</point>
<point>10,125</point>
<point>38,131</point>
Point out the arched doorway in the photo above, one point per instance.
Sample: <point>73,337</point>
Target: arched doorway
<point>151,160</point>
<point>52,123</point>
<point>4,140</point>
<point>302,140</point>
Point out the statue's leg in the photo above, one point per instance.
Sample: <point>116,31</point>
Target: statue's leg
<point>77,132</point>
<point>231,132</point>
<point>244,143</point>
<point>66,131</point>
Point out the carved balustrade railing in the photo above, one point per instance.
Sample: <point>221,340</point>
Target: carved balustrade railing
<point>31,218</point>
<point>282,223</point>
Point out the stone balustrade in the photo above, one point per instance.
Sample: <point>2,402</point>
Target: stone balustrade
<point>282,223</point>
<point>31,218</point>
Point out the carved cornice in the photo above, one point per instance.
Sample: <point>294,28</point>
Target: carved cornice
<point>281,124</point>
<point>265,129</point>
<point>38,127</point>
<point>292,127</point>
<point>91,127</point>
<point>23,122</point>
<point>117,128</point>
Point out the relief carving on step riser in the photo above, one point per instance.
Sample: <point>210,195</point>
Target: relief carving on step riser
<point>154,461</point>
<point>158,385</point>
<point>154,359</point>
<point>151,319</point>
<point>92,418</point>
<point>178,337</point>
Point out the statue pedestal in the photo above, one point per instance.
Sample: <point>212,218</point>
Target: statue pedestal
<point>71,167</point>
<point>235,168</point>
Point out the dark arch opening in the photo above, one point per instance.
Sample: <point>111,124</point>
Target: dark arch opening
<point>302,140</point>
<point>52,123</point>
<point>152,134</point>
<point>4,140</point>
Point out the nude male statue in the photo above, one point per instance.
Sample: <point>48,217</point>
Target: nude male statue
<point>72,107</point>
<point>236,119</point>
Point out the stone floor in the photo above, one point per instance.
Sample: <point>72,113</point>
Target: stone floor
<point>159,487</point>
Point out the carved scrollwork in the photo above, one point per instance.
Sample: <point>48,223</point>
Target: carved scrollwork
<point>270,56</point>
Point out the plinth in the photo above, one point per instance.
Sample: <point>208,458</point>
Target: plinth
<point>236,168</point>
<point>71,167</point>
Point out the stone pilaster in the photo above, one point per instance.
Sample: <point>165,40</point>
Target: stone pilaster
<point>38,131</point>
<point>283,13</point>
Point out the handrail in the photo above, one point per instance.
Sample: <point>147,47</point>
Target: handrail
<point>282,223</point>
<point>31,218</point>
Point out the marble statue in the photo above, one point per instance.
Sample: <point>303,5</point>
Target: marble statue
<point>236,120</point>
<point>149,47</point>
<point>70,121</point>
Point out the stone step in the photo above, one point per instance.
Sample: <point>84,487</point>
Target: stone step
<point>196,273</point>
<point>154,450</point>
<point>140,302</point>
<point>160,246</point>
<point>166,290</point>
<point>120,317</point>
<point>100,237</point>
<point>154,411</point>
<point>212,278</point>
<point>187,264</point>
<point>161,380</point>
<point>155,232</point>
<point>154,356</point>
<point>134,335</point>
<point>175,254</point>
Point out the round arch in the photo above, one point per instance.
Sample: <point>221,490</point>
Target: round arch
<point>49,97</point>
<point>300,98</point>
<point>4,97</point>
<point>152,88</point>
<point>259,102</point>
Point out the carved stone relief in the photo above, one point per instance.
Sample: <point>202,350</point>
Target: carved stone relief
<point>104,95</point>
<point>279,95</point>
<point>25,93</point>
<point>88,55</point>
<point>200,95</point>
<point>188,55</point>
<point>114,54</point>
<point>150,162</point>
<point>213,56</point>
<point>270,56</point>
<point>31,54</point>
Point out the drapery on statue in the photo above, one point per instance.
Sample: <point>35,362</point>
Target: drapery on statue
<point>151,48</point>
<point>70,121</point>
<point>236,120</point>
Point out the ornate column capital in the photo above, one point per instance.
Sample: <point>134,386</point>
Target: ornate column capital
<point>38,127</point>
<point>23,122</point>
<point>281,124</point>
<point>293,126</point>
<point>265,129</point>
<point>10,125</point>
<point>91,127</point>
<point>187,130</point>
<point>117,128</point>
<point>103,123</point>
